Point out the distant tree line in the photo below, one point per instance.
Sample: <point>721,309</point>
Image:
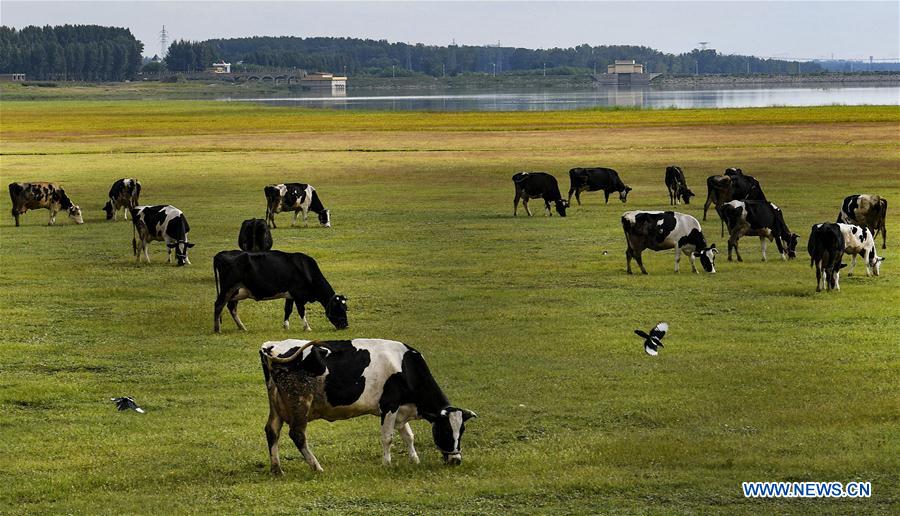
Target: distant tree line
<point>189,56</point>
<point>70,52</point>
<point>366,56</point>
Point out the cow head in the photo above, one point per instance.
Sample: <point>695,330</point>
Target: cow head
<point>325,218</point>
<point>110,211</point>
<point>181,249</point>
<point>336,311</point>
<point>623,195</point>
<point>790,245</point>
<point>447,428</point>
<point>75,214</point>
<point>875,261</point>
<point>561,205</point>
<point>708,258</point>
<point>685,193</point>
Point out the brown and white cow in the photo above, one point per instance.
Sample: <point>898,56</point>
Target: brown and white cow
<point>30,196</point>
<point>866,210</point>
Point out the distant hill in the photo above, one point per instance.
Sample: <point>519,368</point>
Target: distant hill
<point>382,58</point>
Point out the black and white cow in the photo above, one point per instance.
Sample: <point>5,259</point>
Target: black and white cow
<point>594,179</point>
<point>677,186</point>
<point>294,277</point>
<point>534,185</point>
<point>124,194</point>
<point>826,249</point>
<point>296,197</point>
<point>762,219</point>
<point>866,210</point>
<point>255,236</point>
<point>342,379</point>
<point>663,230</point>
<point>163,223</point>
<point>28,196</point>
<point>860,241</point>
<point>734,185</point>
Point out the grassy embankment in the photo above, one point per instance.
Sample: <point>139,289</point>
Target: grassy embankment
<point>524,320</point>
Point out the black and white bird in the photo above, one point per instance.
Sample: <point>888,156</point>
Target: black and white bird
<point>125,403</point>
<point>653,342</point>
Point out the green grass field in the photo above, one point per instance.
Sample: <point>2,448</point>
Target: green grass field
<point>524,320</point>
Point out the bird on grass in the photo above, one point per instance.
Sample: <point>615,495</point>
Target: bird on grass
<point>653,342</point>
<point>125,403</point>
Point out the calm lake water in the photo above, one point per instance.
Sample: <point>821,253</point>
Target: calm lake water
<point>562,100</point>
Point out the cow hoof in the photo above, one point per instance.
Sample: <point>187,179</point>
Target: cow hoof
<point>729,259</point>
<point>277,471</point>
<point>414,459</point>
<point>286,325</point>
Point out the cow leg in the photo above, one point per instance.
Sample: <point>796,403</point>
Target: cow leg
<point>305,218</point>
<point>387,434</point>
<point>298,435</point>
<point>168,254</point>
<point>637,258</point>
<point>288,308</point>
<point>52,217</point>
<point>853,264</point>
<point>678,259</point>
<point>407,434</point>
<point>578,195</point>
<point>294,219</point>
<point>606,196</point>
<point>547,207</point>
<point>706,205</point>
<point>232,309</point>
<point>571,191</point>
<point>628,256</point>
<point>818,277</point>
<point>217,312</point>
<point>763,243</point>
<point>273,432</point>
<point>525,205</point>
<point>301,309</point>
<point>15,214</point>
<point>516,205</point>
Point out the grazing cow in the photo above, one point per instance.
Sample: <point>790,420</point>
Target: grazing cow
<point>296,197</point>
<point>164,223</point>
<point>734,185</point>
<point>826,249</point>
<point>677,186</point>
<point>593,179</point>
<point>662,230</point>
<point>760,218</point>
<point>866,210</point>
<point>255,236</point>
<point>342,379</point>
<point>294,277</point>
<point>860,241</point>
<point>533,185</point>
<point>124,194</point>
<point>29,196</point>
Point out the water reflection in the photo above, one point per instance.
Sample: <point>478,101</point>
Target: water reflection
<point>605,97</point>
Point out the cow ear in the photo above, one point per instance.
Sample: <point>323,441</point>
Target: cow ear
<point>842,266</point>
<point>189,244</point>
<point>468,414</point>
<point>428,416</point>
<point>713,246</point>
<point>170,246</point>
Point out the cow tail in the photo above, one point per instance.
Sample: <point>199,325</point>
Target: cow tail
<point>264,359</point>
<point>882,218</point>
<point>137,193</point>
<point>133,237</point>
<point>216,275</point>
<point>15,191</point>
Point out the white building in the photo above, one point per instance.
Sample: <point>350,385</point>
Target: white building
<point>222,67</point>
<point>325,82</point>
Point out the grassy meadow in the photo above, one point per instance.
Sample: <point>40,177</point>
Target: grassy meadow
<point>527,321</point>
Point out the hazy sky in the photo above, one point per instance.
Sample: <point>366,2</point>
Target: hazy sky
<point>806,29</point>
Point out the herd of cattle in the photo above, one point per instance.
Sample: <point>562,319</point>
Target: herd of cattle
<point>743,208</point>
<point>308,380</point>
